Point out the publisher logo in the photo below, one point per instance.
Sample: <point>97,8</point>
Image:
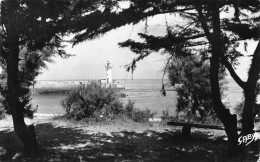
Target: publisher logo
<point>246,140</point>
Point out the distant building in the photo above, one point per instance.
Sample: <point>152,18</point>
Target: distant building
<point>109,67</point>
<point>108,82</point>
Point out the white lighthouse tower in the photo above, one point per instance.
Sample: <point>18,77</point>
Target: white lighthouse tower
<point>109,67</point>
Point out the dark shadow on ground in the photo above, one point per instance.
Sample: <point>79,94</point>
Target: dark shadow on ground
<point>73,144</point>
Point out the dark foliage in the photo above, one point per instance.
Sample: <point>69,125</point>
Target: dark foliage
<point>2,112</point>
<point>205,32</point>
<point>35,26</point>
<point>137,115</point>
<point>40,28</point>
<point>191,78</point>
<point>95,103</point>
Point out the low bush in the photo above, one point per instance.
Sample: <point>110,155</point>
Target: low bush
<point>96,103</point>
<point>166,117</point>
<point>2,112</point>
<point>61,91</point>
<point>2,108</point>
<point>136,114</point>
<point>53,90</point>
<point>189,118</point>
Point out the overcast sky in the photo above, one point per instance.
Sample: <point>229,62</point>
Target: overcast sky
<point>91,56</point>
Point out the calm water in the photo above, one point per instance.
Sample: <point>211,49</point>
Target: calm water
<point>142,91</point>
<point>51,103</point>
<point>48,104</point>
<point>233,95</point>
<point>144,84</point>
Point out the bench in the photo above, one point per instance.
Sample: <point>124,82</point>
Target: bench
<point>186,127</point>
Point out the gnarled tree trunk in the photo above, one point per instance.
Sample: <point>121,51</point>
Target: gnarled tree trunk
<point>229,121</point>
<point>24,133</point>
<point>250,93</point>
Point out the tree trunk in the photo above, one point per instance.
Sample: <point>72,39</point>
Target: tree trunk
<point>24,133</point>
<point>250,93</point>
<point>229,121</point>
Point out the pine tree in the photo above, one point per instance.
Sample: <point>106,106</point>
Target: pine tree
<point>31,32</point>
<point>215,38</point>
<point>192,77</point>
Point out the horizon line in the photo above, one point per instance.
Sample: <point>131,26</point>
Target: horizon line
<point>95,79</point>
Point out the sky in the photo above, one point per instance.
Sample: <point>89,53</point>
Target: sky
<point>91,56</point>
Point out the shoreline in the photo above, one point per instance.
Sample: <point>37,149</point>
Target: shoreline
<point>153,100</point>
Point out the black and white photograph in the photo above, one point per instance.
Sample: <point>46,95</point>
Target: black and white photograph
<point>130,80</point>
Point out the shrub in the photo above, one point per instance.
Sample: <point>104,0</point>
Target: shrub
<point>129,107</point>
<point>2,108</point>
<point>53,91</point>
<point>194,91</point>
<point>2,112</point>
<point>166,116</point>
<point>96,103</point>
<point>137,115</point>
<point>189,118</point>
<point>208,120</point>
<point>91,101</point>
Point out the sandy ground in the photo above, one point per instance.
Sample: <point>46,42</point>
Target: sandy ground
<point>62,140</point>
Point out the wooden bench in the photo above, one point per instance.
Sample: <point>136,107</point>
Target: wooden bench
<point>186,127</point>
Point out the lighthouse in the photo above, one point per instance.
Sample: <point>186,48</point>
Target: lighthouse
<point>109,67</point>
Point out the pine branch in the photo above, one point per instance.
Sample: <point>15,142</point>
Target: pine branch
<point>232,72</point>
<point>204,23</point>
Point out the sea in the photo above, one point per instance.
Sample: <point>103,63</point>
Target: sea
<point>50,104</point>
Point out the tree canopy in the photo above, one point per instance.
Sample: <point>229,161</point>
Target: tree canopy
<point>212,29</point>
<point>194,34</point>
<point>31,32</point>
<point>208,31</point>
